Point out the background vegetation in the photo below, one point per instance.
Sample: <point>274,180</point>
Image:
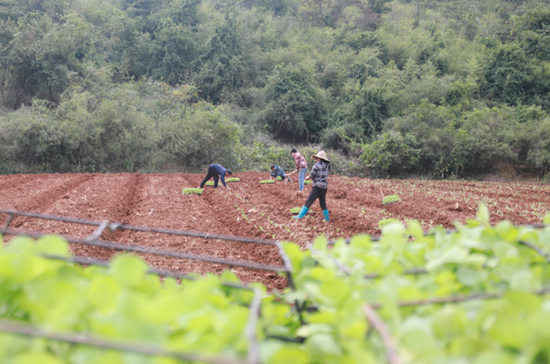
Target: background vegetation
<point>437,88</point>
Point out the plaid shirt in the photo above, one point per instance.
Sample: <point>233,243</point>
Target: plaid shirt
<point>300,161</point>
<point>319,174</point>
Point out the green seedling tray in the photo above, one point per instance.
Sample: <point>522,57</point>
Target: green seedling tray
<point>192,191</point>
<point>267,181</point>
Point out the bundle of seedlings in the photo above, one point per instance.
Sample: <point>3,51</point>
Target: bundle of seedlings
<point>192,191</point>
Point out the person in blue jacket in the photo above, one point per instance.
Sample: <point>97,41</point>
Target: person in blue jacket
<point>277,171</point>
<point>217,172</point>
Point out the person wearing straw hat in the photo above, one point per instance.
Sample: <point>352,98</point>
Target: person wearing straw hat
<point>319,176</point>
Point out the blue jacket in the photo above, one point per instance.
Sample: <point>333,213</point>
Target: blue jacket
<point>278,172</point>
<point>221,171</point>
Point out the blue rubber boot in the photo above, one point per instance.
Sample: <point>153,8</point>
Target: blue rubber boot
<point>302,213</point>
<point>325,213</point>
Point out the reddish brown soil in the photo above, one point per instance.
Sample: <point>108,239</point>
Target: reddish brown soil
<point>250,210</point>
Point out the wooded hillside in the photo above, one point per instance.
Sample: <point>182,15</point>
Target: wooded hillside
<point>438,88</point>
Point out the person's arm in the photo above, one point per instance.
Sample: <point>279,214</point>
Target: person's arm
<point>314,172</point>
<point>222,177</point>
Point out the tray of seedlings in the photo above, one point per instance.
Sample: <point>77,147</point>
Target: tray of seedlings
<point>192,191</point>
<point>231,179</point>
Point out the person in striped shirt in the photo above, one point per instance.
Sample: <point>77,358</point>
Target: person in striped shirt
<point>319,176</point>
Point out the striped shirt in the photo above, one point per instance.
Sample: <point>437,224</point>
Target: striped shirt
<point>319,174</point>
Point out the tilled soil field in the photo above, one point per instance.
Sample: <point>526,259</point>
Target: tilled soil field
<point>249,209</point>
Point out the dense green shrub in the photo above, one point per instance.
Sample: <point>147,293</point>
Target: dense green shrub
<point>295,104</point>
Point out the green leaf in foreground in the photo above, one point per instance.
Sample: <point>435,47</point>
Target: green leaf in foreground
<point>385,222</point>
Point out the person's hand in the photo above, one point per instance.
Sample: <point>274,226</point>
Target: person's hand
<point>307,177</point>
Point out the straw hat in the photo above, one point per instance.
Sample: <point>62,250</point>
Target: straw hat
<point>321,155</point>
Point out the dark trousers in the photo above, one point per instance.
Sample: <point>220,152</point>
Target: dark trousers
<point>317,193</point>
<point>211,174</point>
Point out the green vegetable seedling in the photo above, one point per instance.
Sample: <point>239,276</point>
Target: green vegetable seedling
<point>390,199</point>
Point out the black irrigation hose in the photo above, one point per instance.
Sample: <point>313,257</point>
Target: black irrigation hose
<point>114,226</point>
<point>131,248</point>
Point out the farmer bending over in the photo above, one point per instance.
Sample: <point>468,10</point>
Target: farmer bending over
<point>319,175</point>
<point>216,171</point>
<point>277,171</point>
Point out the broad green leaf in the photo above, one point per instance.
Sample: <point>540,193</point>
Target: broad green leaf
<point>493,357</point>
<point>128,270</point>
<point>415,229</point>
<point>287,355</point>
<point>321,344</point>
<point>35,358</point>
<point>483,214</point>
<point>54,245</point>
<point>471,277</point>
<point>312,329</point>
<point>361,241</point>
<point>511,331</point>
<point>104,293</point>
<point>320,243</point>
<point>455,254</point>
